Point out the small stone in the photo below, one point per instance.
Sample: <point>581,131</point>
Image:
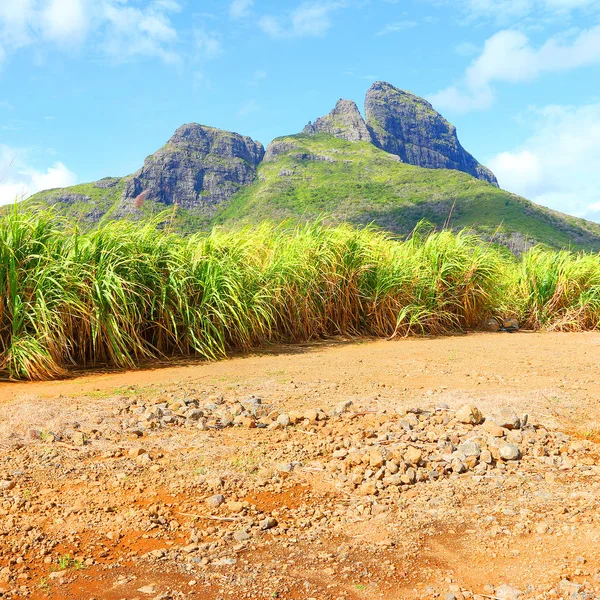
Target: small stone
<point>242,536</point>
<point>235,507</point>
<point>268,523</point>
<point>493,428</point>
<point>311,414</point>
<point>295,416</point>
<point>470,449</point>
<point>79,439</point>
<point>486,457</point>
<point>194,414</point>
<point>215,501</point>
<point>509,452</point>
<point>135,452</point>
<point>469,414</point>
<point>507,592</point>
<point>283,420</point>
<point>569,587</point>
<point>507,419</point>
<point>342,407</point>
<point>413,455</point>
<point>368,488</point>
<point>375,458</point>
<point>147,589</point>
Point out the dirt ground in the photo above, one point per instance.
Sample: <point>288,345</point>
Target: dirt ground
<point>159,483</point>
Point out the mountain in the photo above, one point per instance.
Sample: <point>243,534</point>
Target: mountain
<point>402,124</point>
<point>408,126</point>
<point>305,176</point>
<point>401,164</point>
<point>344,122</point>
<point>198,169</point>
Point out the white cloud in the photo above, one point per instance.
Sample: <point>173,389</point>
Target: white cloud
<point>18,179</point>
<point>132,32</point>
<point>534,11</point>
<point>122,29</point>
<point>466,49</point>
<point>396,27</point>
<point>258,76</point>
<point>248,108</point>
<point>508,56</point>
<point>240,9</point>
<point>65,21</point>
<point>310,19</point>
<point>558,165</point>
<point>208,44</point>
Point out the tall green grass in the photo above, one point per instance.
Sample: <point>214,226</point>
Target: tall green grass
<point>127,292</point>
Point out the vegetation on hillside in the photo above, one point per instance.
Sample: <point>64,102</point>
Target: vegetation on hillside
<point>126,292</point>
<point>356,182</point>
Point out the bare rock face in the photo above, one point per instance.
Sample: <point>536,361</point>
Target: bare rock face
<point>198,168</point>
<point>408,126</point>
<point>344,122</point>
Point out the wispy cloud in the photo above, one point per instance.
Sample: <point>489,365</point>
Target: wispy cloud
<point>510,57</point>
<point>504,12</point>
<point>249,107</point>
<point>240,9</point>
<point>207,43</point>
<point>258,76</point>
<point>396,27</point>
<point>119,29</point>
<point>310,19</point>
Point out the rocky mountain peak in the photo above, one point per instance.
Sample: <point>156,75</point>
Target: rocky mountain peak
<point>198,168</point>
<point>344,121</point>
<point>408,126</point>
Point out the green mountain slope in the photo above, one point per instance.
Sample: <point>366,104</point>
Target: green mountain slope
<point>304,177</point>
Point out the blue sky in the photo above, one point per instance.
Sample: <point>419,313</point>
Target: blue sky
<point>88,88</point>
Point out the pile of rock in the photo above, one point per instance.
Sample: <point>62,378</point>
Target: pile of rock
<point>214,413</point>
<point>426,445</point>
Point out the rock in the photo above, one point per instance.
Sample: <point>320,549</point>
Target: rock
<point>507,419</point>
<point>147,589</point>
<point>241,536</point>
<point>569,587</point>
<point>470,448</point>
<point>510,325</point>
<point>79,439</point>
<point>469,414</point>
<point>194,414</point>
<point>344,122</point>
<point>375,458</point>
<point>235,507</point>
<point>135,452</point>
<point>368,488</point>
<point>507,592</point>
<point>413,455</point>
<point>7,484</point>
<point>509,452</point>
<point>408,126</point>
<point>268,523</point>
<point>491,325</point>
<point>215,501</point>
<point>493,428</point>
<point>283,420</point>
<point>198,169</point>
<point>343,407</point>
<point>311,415</point>
<point>295,416</point>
